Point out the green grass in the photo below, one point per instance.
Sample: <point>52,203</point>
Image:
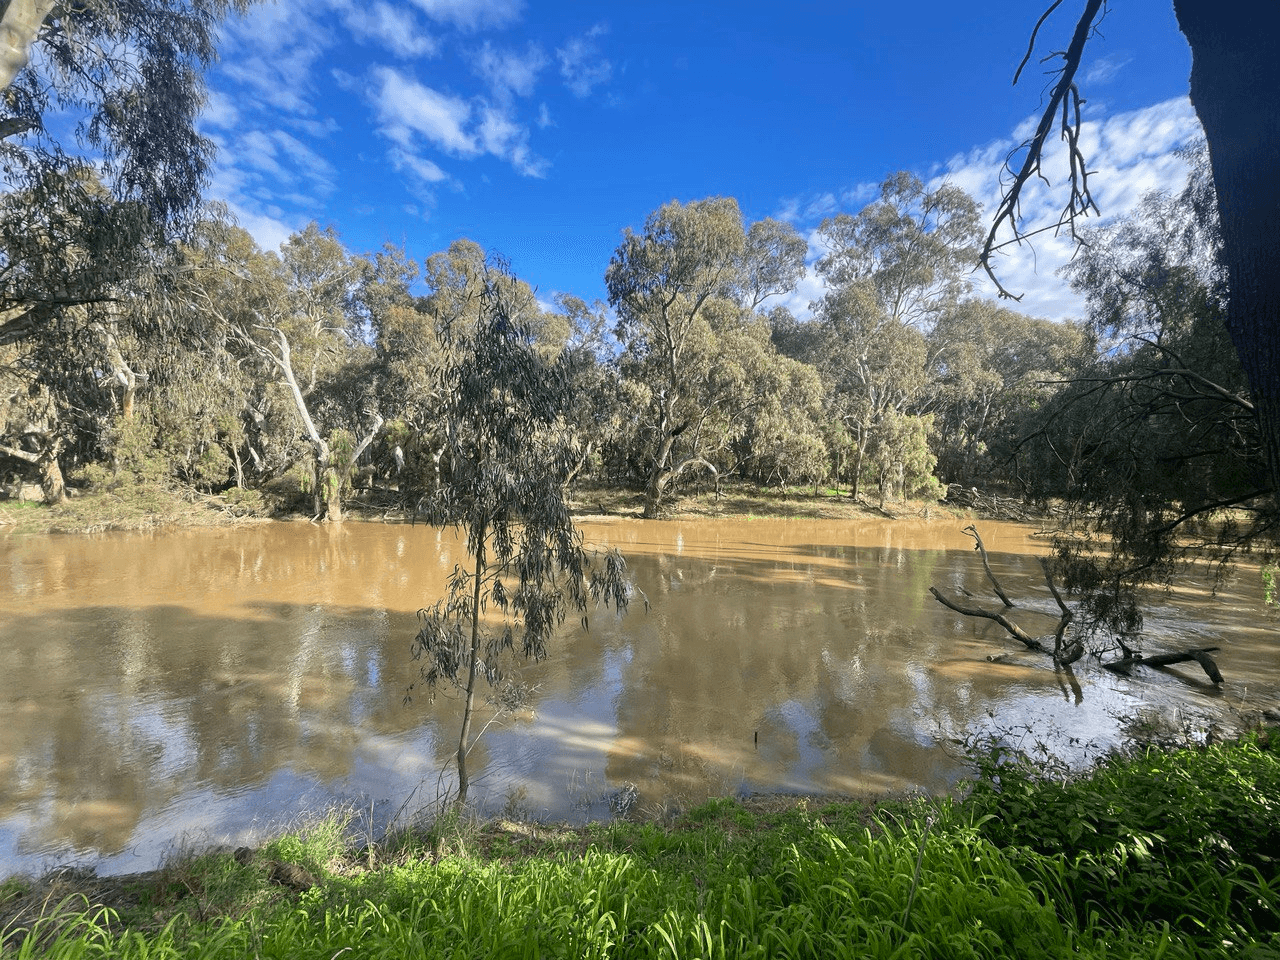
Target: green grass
<point>1164,855</point>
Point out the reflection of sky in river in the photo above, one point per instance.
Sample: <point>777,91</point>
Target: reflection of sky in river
<point>207,686</point>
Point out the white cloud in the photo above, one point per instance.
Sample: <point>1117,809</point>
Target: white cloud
<point>502,136</point>
<point>1105,69</point>
<point>1129,155</point>
<point>420,167</point>
<point>581,65</point>
<point>310,164</point>
<point>414,117</point>
<point>472,14</point>
<point>268,231</point>
<point>256,149</point>
<point>396,28</point>
<point>271,51</point>
<point>219,111</point>
<point>408,108</point>
<point>507,72</point>
<point>544,117</point>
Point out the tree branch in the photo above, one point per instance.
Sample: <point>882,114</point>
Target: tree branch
<point>972,531</point>
<point>1064,101</point>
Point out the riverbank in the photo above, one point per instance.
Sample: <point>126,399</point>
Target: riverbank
<point>1164,854</point>
<point>150,507</point>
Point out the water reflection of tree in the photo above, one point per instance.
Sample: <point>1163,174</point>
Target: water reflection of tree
<point>114,711</point>
<point>828,653</point>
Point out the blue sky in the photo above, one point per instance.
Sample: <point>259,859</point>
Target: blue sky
<point>541,129</point>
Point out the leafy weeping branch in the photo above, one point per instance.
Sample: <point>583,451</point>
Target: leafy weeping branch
<point>507,452</point>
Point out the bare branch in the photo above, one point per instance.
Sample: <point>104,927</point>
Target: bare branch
<point>1063,622</point>
<point>1064,103</point>
<point>1031,44</point>
<point>1014,630</point>
<point>972,531</point>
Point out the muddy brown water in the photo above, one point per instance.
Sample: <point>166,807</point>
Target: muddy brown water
<point>210,686</point>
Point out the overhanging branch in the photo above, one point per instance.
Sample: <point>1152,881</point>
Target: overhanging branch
<point>1064,105</point>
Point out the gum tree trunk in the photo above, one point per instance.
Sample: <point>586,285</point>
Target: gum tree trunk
<point>1235,81</point>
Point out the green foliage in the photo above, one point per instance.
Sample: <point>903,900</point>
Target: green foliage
<point>317,846</point>
<point>508,455</point>
<point>1186,838</point>
<point>1162,855</point>
<point>1154,446</point>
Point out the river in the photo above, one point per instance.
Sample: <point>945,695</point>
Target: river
<point>197,687</point>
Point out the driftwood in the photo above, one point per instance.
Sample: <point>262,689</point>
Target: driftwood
<point>991,506</point>
<point>1013,629</point>
<point>1065,653</point>
<point>1199,655</point>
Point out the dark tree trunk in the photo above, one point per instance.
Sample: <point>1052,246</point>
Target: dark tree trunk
<point>1235,88</point>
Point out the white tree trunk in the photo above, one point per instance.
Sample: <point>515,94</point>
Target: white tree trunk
<point>19,25</point>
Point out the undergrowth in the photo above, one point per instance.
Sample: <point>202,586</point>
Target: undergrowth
<point>1170,854</point>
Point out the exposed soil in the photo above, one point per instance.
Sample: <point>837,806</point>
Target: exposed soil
<point>153,507</point>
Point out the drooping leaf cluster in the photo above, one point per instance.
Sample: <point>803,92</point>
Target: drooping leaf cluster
<point>1154,445</point>
<point>507,453</point>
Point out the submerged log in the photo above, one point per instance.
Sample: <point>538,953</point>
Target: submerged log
<point>1199,655</point>
<point>1013,629</point>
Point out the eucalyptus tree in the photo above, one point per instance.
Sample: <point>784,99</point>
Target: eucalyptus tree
<point>914,247</point>
<point>416,314</point>
<point>875,370</point>
<point>102,164</point>
<point>773,261</point>
<point>125,78</point>
<point>223,285</point>
<point>130,73</point>
<point>892,271</point>
<point>65,318</point>
<point>685,290</point>
<point>508,451</point>
<point>309,337</point>
<point>993,368</point>
<point>599,407</point>
<point>662,283</point>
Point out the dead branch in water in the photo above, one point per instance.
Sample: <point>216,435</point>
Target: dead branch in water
<point>1062,655</point>
<point>978,545</point>
<point>1200,655</point>
<point>1063,652</point>
<point>1014,630</point>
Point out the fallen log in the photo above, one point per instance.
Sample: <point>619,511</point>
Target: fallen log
<point>1013,629</point>
<point>1063,654</point>
<point>1199,655</point>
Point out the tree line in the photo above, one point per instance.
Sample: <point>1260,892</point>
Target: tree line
<point>217,364</point>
